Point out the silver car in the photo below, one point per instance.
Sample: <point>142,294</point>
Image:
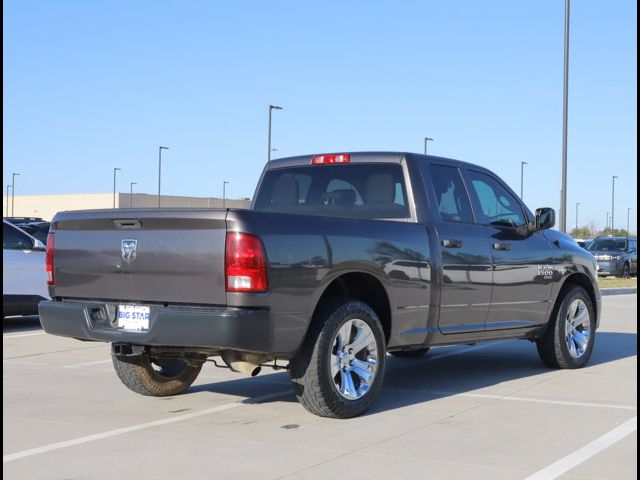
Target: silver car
<point>615,255</point>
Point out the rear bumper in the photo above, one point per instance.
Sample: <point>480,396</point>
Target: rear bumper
<point>221,328</point>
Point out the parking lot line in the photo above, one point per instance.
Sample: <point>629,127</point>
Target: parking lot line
<point>440,393</point>
<point>87,364</point>
<point>141,426</point>
<point>585,453</point>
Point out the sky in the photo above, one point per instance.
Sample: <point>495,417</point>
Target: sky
<point>89,86</point>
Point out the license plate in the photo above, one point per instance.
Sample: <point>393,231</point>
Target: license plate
<point>133,317</point>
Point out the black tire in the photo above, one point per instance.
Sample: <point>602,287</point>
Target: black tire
<point>626,271</point>
<point>417,353</point>
<point>310,369</point>
<point>170,377</point>
<point>552,346</point>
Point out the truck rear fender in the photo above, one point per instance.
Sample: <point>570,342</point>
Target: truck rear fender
<point>361,286</point>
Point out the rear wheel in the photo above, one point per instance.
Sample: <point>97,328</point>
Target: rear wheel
<point>339,370</point>
<point>568,341</point>
<point>417,353</point>
<point>158,377</point>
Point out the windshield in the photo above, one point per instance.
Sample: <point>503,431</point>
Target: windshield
<point>354,191</point>
<point>608,245</point>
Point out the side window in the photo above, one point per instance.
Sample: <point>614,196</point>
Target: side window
<point>496,205</point>
<point>451,196</point>
<point>13,239</point>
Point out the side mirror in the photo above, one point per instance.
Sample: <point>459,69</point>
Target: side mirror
<point>39,246</point>
<point>545,218</point>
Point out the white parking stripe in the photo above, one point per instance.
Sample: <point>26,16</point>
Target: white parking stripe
<point>87,364</point>
<point>440,393</point>
<point>18,335</point>
<point>142,426</point>
<point>585,453</point>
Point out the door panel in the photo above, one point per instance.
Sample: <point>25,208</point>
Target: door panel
<point>466,269</point>
<point>522,278</point>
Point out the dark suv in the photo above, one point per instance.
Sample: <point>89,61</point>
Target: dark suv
<point>615,255</point>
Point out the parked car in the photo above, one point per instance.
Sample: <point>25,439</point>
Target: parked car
<point>616,255</point>
<point>39,230</point>
<point>341,259</point>
<point>24,280</point>
<point>584,242</point>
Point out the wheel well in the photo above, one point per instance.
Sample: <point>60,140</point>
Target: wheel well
<point>584,282</point>
<point>364,287</point>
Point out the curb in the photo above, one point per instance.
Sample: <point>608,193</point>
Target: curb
<point>618,291</point>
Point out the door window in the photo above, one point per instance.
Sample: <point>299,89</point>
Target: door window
<point>451,195</point>
<point>495,204</point>
<point>13,239</point>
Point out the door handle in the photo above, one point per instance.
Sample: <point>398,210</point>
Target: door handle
<point>448,243</point>
<point>500,246</point>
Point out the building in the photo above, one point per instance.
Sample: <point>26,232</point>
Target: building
<point>46,206</point>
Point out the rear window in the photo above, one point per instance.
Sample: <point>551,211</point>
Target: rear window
<point>352,191</point>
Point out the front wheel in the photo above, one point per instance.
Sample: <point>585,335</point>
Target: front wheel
<point>568,341</point>
<point>339,370</point>
<point>156,377</point>
<point>626,271</point>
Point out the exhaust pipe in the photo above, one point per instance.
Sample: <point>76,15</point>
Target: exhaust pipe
<point>242,363</point>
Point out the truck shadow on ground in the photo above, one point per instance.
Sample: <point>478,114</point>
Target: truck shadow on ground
<point>21,324</point>
<point>442,372</point>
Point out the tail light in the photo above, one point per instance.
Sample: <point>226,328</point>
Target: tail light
<point>245,264</point>
<point>49,259</point>
<point>329,159</point>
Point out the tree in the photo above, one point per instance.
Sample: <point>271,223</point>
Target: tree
<point>581,232</point>
<point>614,232</point>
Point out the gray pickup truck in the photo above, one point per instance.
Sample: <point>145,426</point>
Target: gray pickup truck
<point>341,259</point>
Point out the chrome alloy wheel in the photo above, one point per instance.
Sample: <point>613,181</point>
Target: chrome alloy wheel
<point>354,359</point>
<point>577,328</point>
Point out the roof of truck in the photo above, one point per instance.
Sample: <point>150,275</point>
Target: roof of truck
<point>362,157</point>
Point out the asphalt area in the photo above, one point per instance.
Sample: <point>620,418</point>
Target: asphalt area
<point>490,411</point>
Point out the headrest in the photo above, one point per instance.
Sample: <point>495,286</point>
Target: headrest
<point>285,191</point>
<point>380,189</point>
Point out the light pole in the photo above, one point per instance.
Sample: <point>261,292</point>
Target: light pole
<point>522,164</point>
<point>628,212</point>
<point>565,118</point>
<point>131,193</point>
<point>13,192</point>
<point>224,194</point>
<point>8,186</point>
<point>160,170</point>
<point>271,108</point>
<point>608,213</point>
<point>577,205</point>
<point>613,200</point>
<point>115,170</point>
<point>426,139</point>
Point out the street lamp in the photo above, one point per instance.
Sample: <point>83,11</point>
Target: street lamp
<point>131,193</point>
<point>565,118</point>
<point>608,213</point>
<point>271,108</point>
<point>522,164</point>
<point>577,205</point>
<point>115,169</point>
<point>8,187</point>
<point>613,191</point>
<point>426,139</point>
<point>224,194</point>
<point>160,170</point>
<point>13,192</point>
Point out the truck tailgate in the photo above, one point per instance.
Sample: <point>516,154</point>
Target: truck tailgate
<point>160,255</point>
